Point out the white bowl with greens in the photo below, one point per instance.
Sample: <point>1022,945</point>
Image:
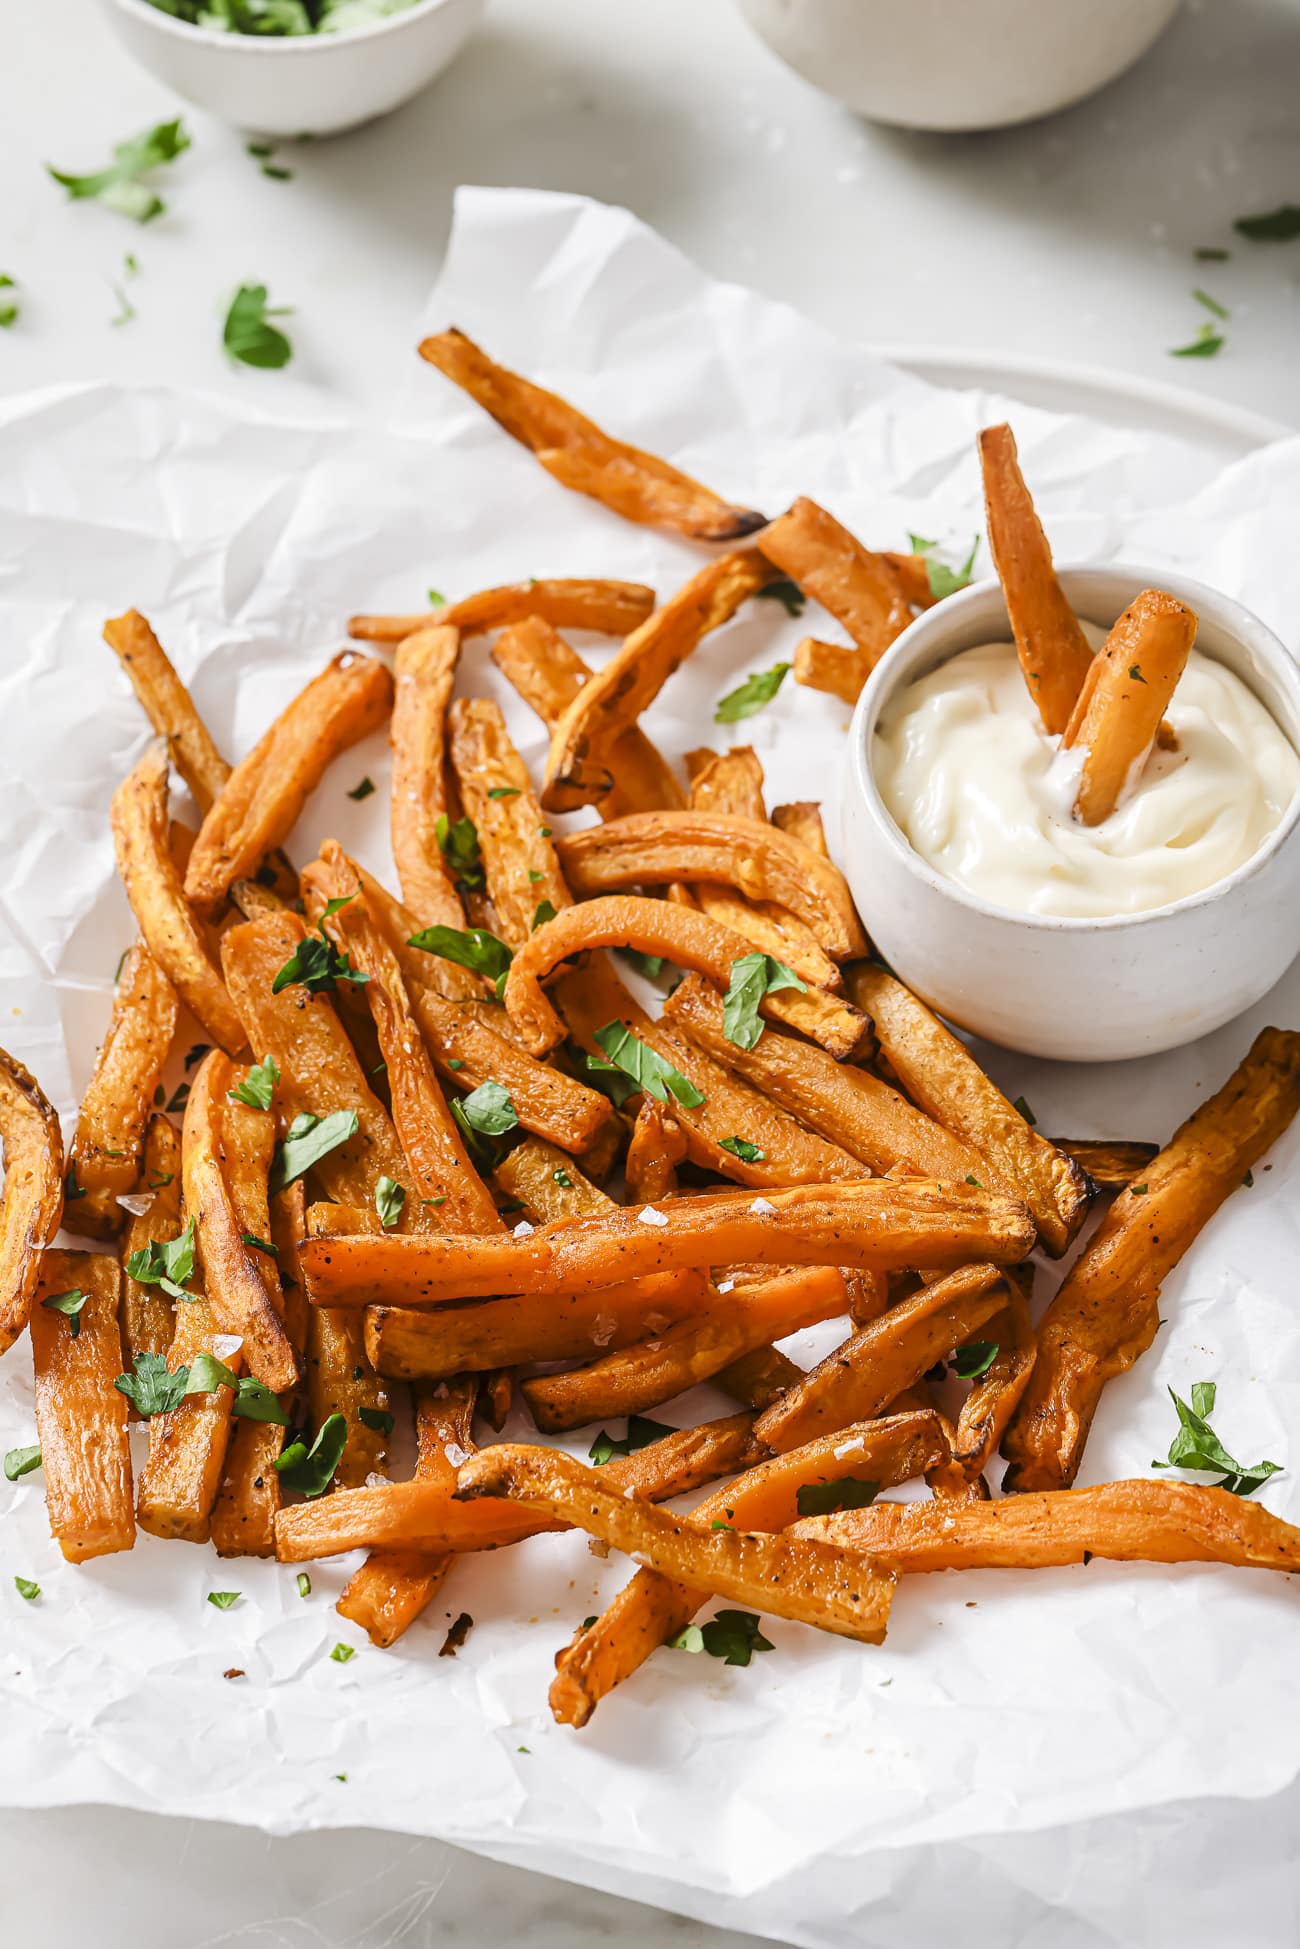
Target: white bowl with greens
<point>295,67</point>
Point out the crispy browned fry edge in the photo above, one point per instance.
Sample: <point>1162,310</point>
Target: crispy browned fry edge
<point>33,1191</point>
<point>684,937</point>
<point>658,1145</point>
<point>847,1105</point>
<point>995,1394</point>
<point>581,455</point>
<point>758,1377</point>
<point>393,1587</point>
<point>653,1608</point>
<point>153,886</point>
<point>187,1446</point>
<point>520,862</point>
<point>836,1592</point>
<point>108,1145</point>
<point>1129,1522</point>
<point>836,669</point>
<point>1125,694</point>
<point>238,1280</point>
<point>655,848</point>
<point>168,705</point>
<point>729,781</point>
<point>802,820</point>
<point>862,590</point>
<point>81,1419</point>
<point>874,1222</point>
<point>674,1358</point>
<point>605,607</point>
<point>1105,1314</point>
<point>547,1182</point>
<point>579,768</point>
<point>148,1313</point>
<point>593,997</point>
<point>861,1378</point>
<point>945,1478</point>
<point>548,674</point>
<point>260,801</point>
<point>1108,1161</point>
<point>341,1379</point>
<point>1054,652</point>
<point>940,1074</point>
<point>423,673</point>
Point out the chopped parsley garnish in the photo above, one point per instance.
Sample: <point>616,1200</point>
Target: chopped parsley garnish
<point>1021,1107</point>
<point>473,948</point>
<point>363,790</point>
<point>751,696</point>
<point>752,977</point>
<point>1196,1446</point>
<point>258,1086</point>
<point>1211,254</point>
<point>179,1097</point>
<point>253,1399</point>
<point>437,600</point>
<point>460,848</point>
<point>489,1110</point>
<point>562,1178</point>
<point>304,1584</point>
<point>9,316</point>
<point>165,1262</point>
<point>379,1420</point>
<point>641,1431</point>
<point>27,1589</point>
<point>1207,343</point>
<point>943,580</point>
<point>21,1461</point>
<point>970,1179</point>
<point>249,337</point>
<point>151,1389</point>
<point>311,1470</point>
<point>504,792</point>
<point>785,591</point>
<point>647,1069</point>
<point>71,1189</point>
<point>316,963</point>
<point>343,1654</point>
<point>222,1600</point>
<point>1211,304</point>
<point>260,1244</point>
<point>545,911</point>
<point>1135,674</point>
<point>733,1636</point>
<point>742,1148</point>
<point>1280,226</point>
<point>69,1303</point>
<point>974,1359</point>
<point>824,1498</point>
<point>649,965</point>
<point>390,1196</point>
<point>307,1140</point>
<point>195,1054</point>
<point>118,186</point>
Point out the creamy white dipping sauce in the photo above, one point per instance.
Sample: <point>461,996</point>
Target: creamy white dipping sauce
<point>983,794</point>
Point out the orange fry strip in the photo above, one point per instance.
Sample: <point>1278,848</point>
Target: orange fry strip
<point>1124,697</point>
<point>1128,1522</point>
<point>1105,1315</point>
<point>32,1200</point>
<point>606,608</point>
<point>940,1074</point>
<point>153,886</point>
<point>1054,653</point>
<point>168,705</point>
<point>875,1222</point>
<point>108,1147</point>
<point>260,801</point>
<point>81,1419</point>
<point>579,769</point>
<point>581,456</point>
<point>341,1378</point>
<point>148,1313</point>
<point>658,1145</point>
<point>837,669</point>
<point>1108,1161</point>
<point>802,820</point>
<point>995,1394</point>
<point>862,590</point>
<point>688,940</point>
<point>519,858</point>
<point>653,848</point>
<point>424,672</point>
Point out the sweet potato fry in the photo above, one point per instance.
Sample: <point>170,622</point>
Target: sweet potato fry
<point>187,1447</point>
<point>424,672</point>
<point>757,1378</point>
<point>81,1418</point>
<point>341,1378</point>
<point>420,1515</point>
<point>653,848</point>
<point>1128,1522</point>
<point>108,1147</point>
<point>1124,696</point>
<point>631,1379</point>
<point>168,705</point>
<point>861,1378</point>
<point>658,1145</point>
<point>32,1200</point>
<point>548,1183</point>
<point>833,1591</point>
<point>223,1150</point>
<point>153,886</point>
<point>875,1222</point>
<point>607,608</point>
<point>581,456</point>
<point>733,1121</point>
<point>258,804</point>
<point>653,1608</point>
<point>843,1103</point>
<point>519,858</point>
<point>802,820</point>
<point>148,1313</point>
<point>940,1074</point>
<point>548,674</point>
<point>731,782</point>
<point>1054,652</point>
<point>836,669</point>
<point>684,1460</point>
<point>288,1210</point>
<point>863,591</point>
<point>688,940</point>
<point>913,571</point>
<point>1105,1314</point>
<point>579,769</point>
<point>1108,1162</point>
<point>995,1394</point>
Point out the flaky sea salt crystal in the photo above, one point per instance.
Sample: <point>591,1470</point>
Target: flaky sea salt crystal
<point>848,1448</point>
<point>136,1202</point>
<point>726,1285</point>
<point>456,1454</point>
<point>761,1208</point>
<point>602,1329</point>
<point>523,1229</point>
<point>376,1481</point>
<point>224,1344</point>
<point>649,1216</point>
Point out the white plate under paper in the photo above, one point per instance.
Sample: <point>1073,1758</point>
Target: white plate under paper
<point>831,1793</point>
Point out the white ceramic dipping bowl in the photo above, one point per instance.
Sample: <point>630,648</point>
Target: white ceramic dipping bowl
<point>1077,990</point>
<point>317,84</point>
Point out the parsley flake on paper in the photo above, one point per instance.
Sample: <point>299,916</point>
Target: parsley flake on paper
<point>1197,1447</point>
<point>247,334</point>
<point>118,186</point>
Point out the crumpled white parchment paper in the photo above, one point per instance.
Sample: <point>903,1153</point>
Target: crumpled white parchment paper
<point>831,1793</point>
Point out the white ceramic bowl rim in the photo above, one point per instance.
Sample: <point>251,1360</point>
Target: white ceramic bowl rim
<point>277,46</point>
<point>1237,620</point>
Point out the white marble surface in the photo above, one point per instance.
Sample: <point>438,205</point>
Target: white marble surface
<point>1069,239</point>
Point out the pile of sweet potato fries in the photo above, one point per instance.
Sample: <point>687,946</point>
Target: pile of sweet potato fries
<point>390,1192</point>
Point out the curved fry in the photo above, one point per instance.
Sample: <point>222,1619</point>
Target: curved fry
<point>423,673</point>
<point>862,590</point>
<point>108,1145</point>
<point>1124,696</point>
<point>32,1200</point>
<point>607,608</point>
